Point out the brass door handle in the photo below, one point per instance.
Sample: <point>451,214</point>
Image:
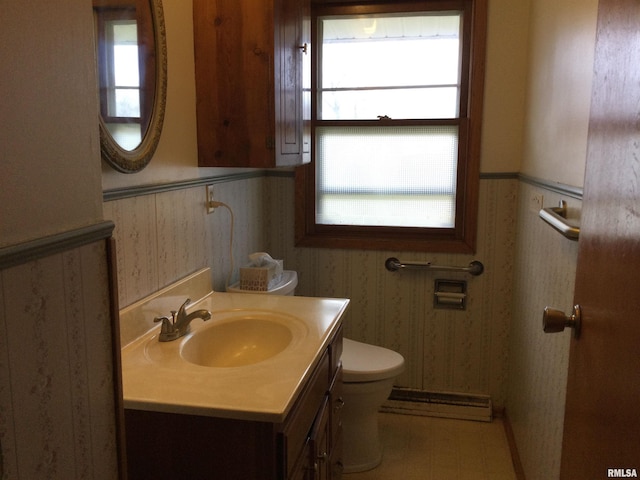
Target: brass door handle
<point>554,320</point>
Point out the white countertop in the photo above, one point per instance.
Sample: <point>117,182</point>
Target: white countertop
<point>156,378</point>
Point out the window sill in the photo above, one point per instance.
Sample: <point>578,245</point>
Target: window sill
<point>440,243</point>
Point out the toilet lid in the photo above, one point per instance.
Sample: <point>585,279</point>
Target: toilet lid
<point>362,362</point>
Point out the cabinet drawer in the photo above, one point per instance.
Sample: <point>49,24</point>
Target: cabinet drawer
<point>319,448</point>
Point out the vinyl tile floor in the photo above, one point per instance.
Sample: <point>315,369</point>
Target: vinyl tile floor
<point>430,448</point>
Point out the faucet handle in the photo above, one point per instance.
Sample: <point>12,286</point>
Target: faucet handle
<point>183,307</point>
<point>167,323</point>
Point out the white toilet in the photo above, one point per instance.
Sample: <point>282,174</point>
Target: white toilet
<point>368,375</point>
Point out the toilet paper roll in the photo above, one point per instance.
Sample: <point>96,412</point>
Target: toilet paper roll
<point>450,298</point>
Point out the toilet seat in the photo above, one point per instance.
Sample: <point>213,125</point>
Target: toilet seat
<point>362,362</point>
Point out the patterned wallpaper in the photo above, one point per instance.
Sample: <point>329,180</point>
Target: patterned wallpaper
<point>163,237</point>
<point>544,276</point>
<point>56,387</point>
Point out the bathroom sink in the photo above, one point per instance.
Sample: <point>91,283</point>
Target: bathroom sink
<point>248,362</point>
<point>241,341</point>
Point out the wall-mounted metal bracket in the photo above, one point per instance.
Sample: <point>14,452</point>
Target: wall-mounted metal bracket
<point>393,265</point>
<point>557,218</point>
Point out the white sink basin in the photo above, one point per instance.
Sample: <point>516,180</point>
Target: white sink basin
<point>232,338</point>
<point>241,341</point>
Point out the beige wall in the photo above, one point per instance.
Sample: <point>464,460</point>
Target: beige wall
<point>559,89</point>
<point>49,146</point>
<point>505,80</point>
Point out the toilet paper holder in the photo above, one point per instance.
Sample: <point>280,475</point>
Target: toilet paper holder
<point>450,294</point>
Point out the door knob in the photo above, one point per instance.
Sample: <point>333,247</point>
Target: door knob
<point>554,320</point>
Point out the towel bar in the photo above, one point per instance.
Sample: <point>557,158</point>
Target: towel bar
<point>557,218</point>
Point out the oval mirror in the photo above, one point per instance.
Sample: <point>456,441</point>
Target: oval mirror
<point>132,77</point>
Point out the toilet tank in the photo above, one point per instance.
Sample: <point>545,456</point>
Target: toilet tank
<point>287,285</point>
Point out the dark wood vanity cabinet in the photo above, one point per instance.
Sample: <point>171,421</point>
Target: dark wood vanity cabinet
<point>306,446</point>
<point>319,456</point>
<point>252,62</point>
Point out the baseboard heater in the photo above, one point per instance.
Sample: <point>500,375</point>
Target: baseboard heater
<point>448,405</point>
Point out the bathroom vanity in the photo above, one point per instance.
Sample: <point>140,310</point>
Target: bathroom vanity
<point>276,417</point>
<point>306,445</point>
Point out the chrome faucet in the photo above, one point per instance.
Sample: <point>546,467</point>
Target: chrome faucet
<point>178,325</point>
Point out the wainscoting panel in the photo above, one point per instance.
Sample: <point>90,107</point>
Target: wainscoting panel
<point>57,413</point>
<point>544,275</point>
<point>166,235</point>
<point>136,245</point>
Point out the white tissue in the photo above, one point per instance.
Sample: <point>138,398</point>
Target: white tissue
<point>261,259</point>
<point>262,273</point>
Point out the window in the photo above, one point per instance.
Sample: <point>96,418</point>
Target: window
<point>123,89</point>
<point>125,36</point>
<point>397,92</point>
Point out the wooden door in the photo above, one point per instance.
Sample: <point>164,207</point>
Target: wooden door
<point>602,417</point>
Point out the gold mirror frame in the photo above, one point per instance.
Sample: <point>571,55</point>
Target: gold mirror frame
<point>132,161</point>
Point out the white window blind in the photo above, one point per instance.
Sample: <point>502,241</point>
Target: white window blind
<point>387,176</point>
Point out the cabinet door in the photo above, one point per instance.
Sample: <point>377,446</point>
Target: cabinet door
<point>335,460</point>
<point>250,65</point>
<point>337,404</point>
<point>233,48</point>
<point>304,471</point>
<point>319,439</point>
<point>292,70</point>
<point>295,433</point>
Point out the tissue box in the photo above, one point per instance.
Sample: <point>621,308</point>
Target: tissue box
<point>261,278</point>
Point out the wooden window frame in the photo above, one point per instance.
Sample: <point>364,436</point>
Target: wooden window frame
<point>460,239</point>
<point>104,12</point>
